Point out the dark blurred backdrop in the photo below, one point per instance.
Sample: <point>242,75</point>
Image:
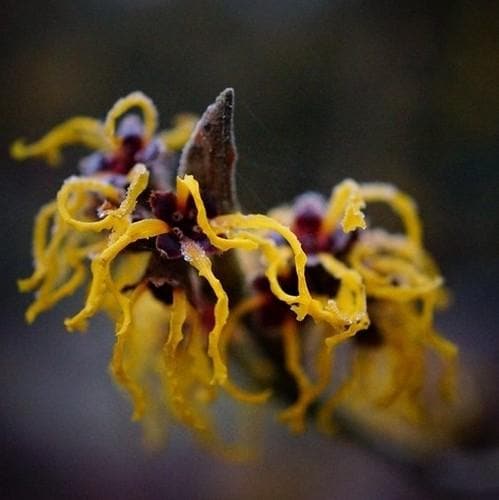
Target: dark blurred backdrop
<point>402,91</point>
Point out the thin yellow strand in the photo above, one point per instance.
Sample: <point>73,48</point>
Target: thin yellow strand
<point>79,130</point>
<point>201,262</point>
<point>53,283</point>
<point>201,364</point>
<point>117,365</point>
<point>382,257</point>
<point>46,252</point>
<point>177,320</point>
<point>176,368</point>
<point>303,304</point>
<point>138,176</point>
<point>445,349</point>
<point>41,227</point>
<point>351,298</point>
<point>51,297</point>
<point>325,420</point>
<point>100,267</point>
<point>401,374</point>
<point>133,100</point>
<point>191,185</point>
<point>345,208</point>
<point>308,391</point>
<point>175,138</point>
<point>402,205</point>
<point>242,309</point>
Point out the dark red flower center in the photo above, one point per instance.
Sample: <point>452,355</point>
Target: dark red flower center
<point>132,148</point>
<point>309,211</point>
<point>181,218</point>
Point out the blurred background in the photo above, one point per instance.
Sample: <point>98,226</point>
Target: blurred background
<point>405,92</point>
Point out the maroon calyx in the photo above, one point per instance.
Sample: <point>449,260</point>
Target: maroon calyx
<point>182,221</point>
<point>162,292</point>
<point>132,148</point>
<point>124,159</point>
<point>273,312</point>
<point>369,338</point>
<point>309,211</point>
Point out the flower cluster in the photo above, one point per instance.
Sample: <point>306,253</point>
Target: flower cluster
<point>196,287</point>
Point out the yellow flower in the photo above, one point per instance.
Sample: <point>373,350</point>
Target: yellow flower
<point>386,281</point>
<point>118,147</point>
<point>404,288</point>
<point>193,285</point>
<point>143,242</point>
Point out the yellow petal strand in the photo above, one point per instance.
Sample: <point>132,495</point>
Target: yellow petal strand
<point>401,204</point>
<point>345,208</point>
<point>53,282</point>
<point>351,298</point>
<point>303,304</point>
<point>325,414</point>
<point>236,223</point>
<point>277,261</point>
<point>189,183</point>
<point>42,224</point>
<point>308,391</point>
<point>101,268</point>
<point>176,367</point>
<point>445,349</point>
<point>449,354</point>
<point>242,309</point>
<point>175,372</point>
<point>144,363</point>
<point>274,257</point>
<point>203,393</point>
<point>138,176</point>
<point>177,320</point>
<point>81,185</point>
<point>394,268</point>
<point>117,365</point>
<point>401,373</point>
<point>79,130</point>
<point>41,228</point>
<point>50,294</point>
<point>188,371</point>
<point>200,362</point>
<point>201,262</point>
<point>64,247</point>
<point>175,138</point>
<point>133,100</point>
<point>295,414</point>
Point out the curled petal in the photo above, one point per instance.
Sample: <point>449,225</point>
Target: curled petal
<point>42,223</point>
<point>133,100</point>
<point>242,309</point>
<point>394,268</point>
<point>175,138</point>
<point>81,186</point>
<point>101,278</point>
<point>200,261</point>
<point>400,203</point>
<point>345,207</point>
<point>79,130</point>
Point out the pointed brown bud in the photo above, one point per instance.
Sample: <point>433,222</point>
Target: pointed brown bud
<point>210,155</point>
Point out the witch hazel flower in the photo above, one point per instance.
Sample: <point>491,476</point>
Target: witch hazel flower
<point>195,287</point>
